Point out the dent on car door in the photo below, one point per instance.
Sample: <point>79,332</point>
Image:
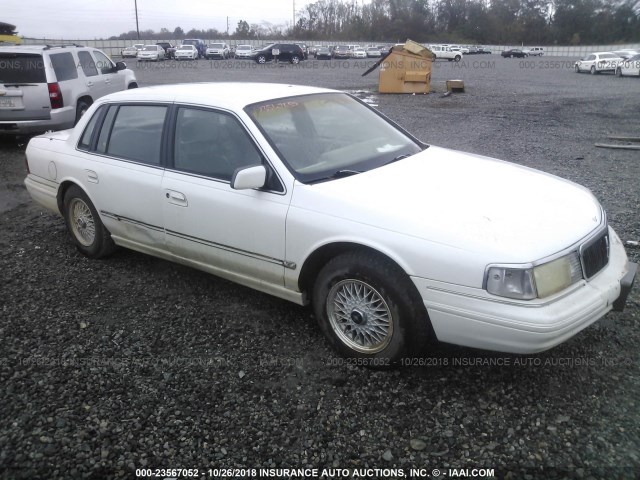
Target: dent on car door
<point>207,221</point>
<point>124,172</point>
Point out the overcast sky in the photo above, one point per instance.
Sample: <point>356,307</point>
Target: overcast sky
<point>88,19</point>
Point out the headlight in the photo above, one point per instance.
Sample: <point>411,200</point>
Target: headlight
<point>540,281</point>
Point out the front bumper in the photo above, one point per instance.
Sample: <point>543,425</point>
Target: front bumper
<point>472,317</point>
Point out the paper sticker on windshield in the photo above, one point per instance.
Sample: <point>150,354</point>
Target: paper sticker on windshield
<point>388,148</point>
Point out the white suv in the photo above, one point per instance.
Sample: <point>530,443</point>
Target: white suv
<point>536,51</point>
<point>444,51</point>
<point>49,87</point>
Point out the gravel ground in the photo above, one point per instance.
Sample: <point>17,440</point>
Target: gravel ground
<point>132,362</point>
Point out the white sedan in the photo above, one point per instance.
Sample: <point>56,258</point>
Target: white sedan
<point>358,53</point>
<point>151,52</point>
<point>315,197</point>
<point>186,52</point>
<point>629,67</point>
<point>598,62</point>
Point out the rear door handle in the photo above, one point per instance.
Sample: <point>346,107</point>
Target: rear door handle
<point>177,198</point>
<point>89,84</point>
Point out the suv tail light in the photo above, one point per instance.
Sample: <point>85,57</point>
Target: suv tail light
<point>55,95</point>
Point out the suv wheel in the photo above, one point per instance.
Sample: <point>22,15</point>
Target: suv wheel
<point>295,59</point>
<point>81,109</point>
<point>261,59</point>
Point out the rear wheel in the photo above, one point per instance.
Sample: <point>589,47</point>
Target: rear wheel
<point>83,222</point>
<point>458,57</point>
<point>369,309</point>
<point>81,109</point>
<point>261,59</point>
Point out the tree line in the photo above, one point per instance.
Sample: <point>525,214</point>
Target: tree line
<point>499,22</point>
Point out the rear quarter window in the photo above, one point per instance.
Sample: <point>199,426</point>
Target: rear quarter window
<point>21,68</point>
<point>64,65</point>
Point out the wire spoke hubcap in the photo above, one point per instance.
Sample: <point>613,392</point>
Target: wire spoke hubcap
<point>359,316</point>
<point>82,222</point>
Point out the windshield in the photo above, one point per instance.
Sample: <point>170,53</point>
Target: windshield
<point>150,48</point>
<point>244,47</point>
<point>320,135</point>
<point>217,45</point>
<point>186,47</point>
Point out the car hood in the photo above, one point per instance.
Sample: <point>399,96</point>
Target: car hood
<point>511,213</point>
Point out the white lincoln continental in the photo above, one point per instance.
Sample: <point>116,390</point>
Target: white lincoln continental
<point>315,197</point>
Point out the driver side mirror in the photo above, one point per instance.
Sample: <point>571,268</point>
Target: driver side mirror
<point>120,66</point>
<point>246,178</point>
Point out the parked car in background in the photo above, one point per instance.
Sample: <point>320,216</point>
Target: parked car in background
<point>598,62</point>
<point>284,52</point>
<point>514,52</point>
<point>445,52</point>
<point>484,50</point>
<point>358,52</point>
<point>131,51</point>
<point>243,51</point>
<point>629,67</point>
<point>332,199</point>
<point>201,47</point>
<point>169,49</point>
<point>473,50</point>
<point>151,52</point>
<point>373,52</point>
<point>50,87</point>
<point>323,52</point>
<point>218,50</point>
<point>535,51</point>
<point>186,52</point>
<point>341,51</point>
<point>305,49</point>
<point>314,49</point>
<point>625,54</point>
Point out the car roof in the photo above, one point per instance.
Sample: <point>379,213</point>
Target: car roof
<point>229,95</point>
<point>37,48</point>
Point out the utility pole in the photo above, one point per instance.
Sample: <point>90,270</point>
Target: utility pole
<point>135,2</point>
<point>227,26</point>
<point>294,15</point>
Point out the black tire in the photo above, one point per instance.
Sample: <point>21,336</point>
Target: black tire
<point>618,72</point>
<point>261,59</point>
<point>295,59</point>
<point>577,69</point>
<point>81,109</point>
<point>404,327</point>
<point>84,225</point>
<point>132,85</point>
<point>593,70</point>
<point>458,58</point>
<point>434,57</point>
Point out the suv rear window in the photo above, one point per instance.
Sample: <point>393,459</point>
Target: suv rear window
<point>21,68</point>
<point>64,66</point>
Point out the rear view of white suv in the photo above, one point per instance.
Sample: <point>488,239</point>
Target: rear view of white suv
<point>49,87</point>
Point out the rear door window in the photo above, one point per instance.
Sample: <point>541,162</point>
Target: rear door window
<point>64,66</point>
<point>87,64</point>
<point>137,133</point>
<point>21,68</point>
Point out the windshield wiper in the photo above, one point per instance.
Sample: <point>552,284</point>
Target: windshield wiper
<point>337,174</point>
<point>399,157</point>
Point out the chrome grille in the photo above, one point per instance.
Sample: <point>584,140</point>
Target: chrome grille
<point>595,255</point>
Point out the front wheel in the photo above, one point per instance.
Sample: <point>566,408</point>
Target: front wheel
<point>458,57</point>
<point>577,69</point>
<point>593,70</point>
<point>369,309</point>
<point>83,222</point>
<point>295,59</point>
<point>261,59</point>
